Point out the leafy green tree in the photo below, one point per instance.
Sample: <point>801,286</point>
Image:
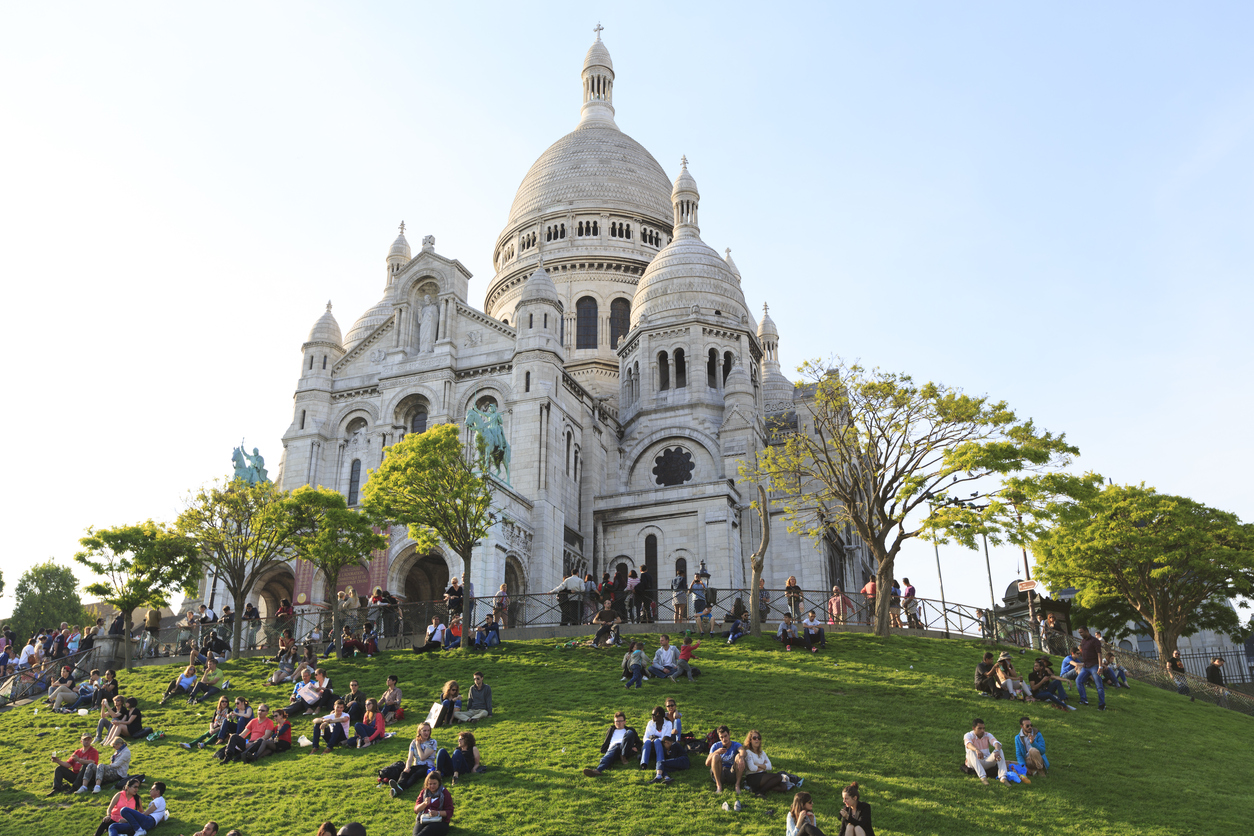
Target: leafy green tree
<point>243,532</point>
<point>1175,562</point>
<point>873,449</point>
<point>46,595</point>
<point>331,536</point>
<point>141,565</point>
<point>426,483</point>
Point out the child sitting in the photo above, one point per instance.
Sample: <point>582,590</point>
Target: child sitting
<point>685,657</point>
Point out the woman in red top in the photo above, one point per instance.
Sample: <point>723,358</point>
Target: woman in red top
<point>434,807</point>
<point>128,797</point>
<point>370,729</point>
<point>279,740</point>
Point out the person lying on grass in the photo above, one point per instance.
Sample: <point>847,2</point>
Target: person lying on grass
<point>725,765</point>
<point>420,760</point>
<point>621,743</point>
<point>433,807</point>
<point>135,823</point>
<point>259,728</point>
<point>333,728</point>
<point>210,829</point>
<point>272,742</point>
<point>984,750</point>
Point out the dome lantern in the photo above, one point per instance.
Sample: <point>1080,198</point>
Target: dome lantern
<point>399,255</point>
<point>685,197</point>
<point>598,85</point>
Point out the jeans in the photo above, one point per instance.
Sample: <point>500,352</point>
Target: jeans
<point>662,673</point>
<point>612,756</point>
<point>676,761</point>
<point>132,820</point>
<point>488,639</point>
<point>637,676</point>
<point>1091,673</point>
<point>652,750</point>
<point>458,761</point>
<point>333,732</point>
<point>1053,692</point>
<point>451,641</point>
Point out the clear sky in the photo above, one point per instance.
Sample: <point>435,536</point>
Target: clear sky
<point>1048,203</point>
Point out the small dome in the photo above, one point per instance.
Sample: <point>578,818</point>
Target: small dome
<point>539,288</point>
<point>369,321</point>
<point>400,247</point>
<point>326,329</point>
<point>685,183</point>
<point>685,273</point>
<point>766,328</point>
<point>598,56</point>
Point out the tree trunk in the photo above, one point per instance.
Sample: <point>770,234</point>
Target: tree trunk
<point>1165,641</point>
<point>468,604</point>
<point>237,625</point>
<point>336,616</point>
<point>758,562</point>
<point>883,594</point>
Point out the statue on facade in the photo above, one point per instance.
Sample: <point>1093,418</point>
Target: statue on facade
<point>426,326</point>
<point>252,469</point>
<point>490,440</point>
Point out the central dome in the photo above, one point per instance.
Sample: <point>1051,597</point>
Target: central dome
<point>594,166</point>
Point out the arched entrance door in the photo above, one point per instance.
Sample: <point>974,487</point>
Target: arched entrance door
<point>515,587</point>
<point>426,579</point>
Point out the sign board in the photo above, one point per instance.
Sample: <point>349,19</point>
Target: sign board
<point>1027,586</point>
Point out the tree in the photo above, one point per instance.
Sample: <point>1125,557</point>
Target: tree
<point>46,595</point>
<point>873,448</point>
<point>757,561</point>
<point>243,531</point>
<point>426,483</point>
<point>141,565</point>
<point>331,536</point>
<point>1173,561</point>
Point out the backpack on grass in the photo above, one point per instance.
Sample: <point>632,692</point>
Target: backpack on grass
<point>391,773</point>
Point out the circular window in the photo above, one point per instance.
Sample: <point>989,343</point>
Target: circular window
<point>673,467</point>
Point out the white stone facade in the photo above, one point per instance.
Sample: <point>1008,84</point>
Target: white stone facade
<point>619,347</point>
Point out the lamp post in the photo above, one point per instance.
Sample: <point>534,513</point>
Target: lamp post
<point>939,578</point>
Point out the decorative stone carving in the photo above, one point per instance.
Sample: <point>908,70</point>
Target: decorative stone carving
<point>474,338</point>
<point>673,467</point>
<point>428,242</point>
<point>378,355</point>
<point>518,538</point>
<point>426,326</point>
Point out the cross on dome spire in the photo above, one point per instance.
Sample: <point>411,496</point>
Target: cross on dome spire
<point>765,307</point>
<point>598,29</point>
<point>328,305</point>
<point>684,160</point>
<point>402,227</point>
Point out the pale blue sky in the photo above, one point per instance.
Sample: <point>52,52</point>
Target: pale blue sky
<point>1048,204</point>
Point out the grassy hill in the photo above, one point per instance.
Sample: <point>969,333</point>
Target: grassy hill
<point>1153,764</point>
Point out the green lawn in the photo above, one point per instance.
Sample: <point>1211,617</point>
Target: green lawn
<point>858,711</point>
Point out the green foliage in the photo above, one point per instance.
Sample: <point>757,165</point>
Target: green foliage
<point>1172,561</point>
<point>426,483</point>
<point>894,728</point>
<point>330,535</point>
<point>875,449</point>
<point>140,566</point>
<point>46,595</point>
<point>243,531</point>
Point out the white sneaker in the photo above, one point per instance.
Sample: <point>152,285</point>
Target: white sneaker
<point>95,789</point>
<point>624,679</point>
<point>139,831</point>
<point>81,790</point>
<point>644,679</point>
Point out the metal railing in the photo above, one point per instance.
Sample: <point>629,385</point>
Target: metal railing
<point>30,682</point>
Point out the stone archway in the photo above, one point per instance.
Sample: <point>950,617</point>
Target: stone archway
<point>272,589</point>
<point>426,579</point>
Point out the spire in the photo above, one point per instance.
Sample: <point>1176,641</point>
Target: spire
<point>398,256</point>
<point>685,197</point>
<point>731,265</point>
<point>598,86</point>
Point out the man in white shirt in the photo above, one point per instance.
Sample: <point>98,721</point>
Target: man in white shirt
<point>29,656</point>
<point>152,816</point>
<point>569,598</point>
<point>812,632</point>
<point>435,637</point>
<point>665,660</point>
<point>984,750</point>
<point>621,742</point>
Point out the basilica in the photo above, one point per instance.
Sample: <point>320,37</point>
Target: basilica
<point>629,374</point>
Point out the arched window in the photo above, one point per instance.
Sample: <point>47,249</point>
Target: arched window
<point>311,362</point>
<point>663,371</point>
<point>527,382</point>
<point>681,369</point>
<point>711,369</point>
<point>562,232</point>
<point>681,567</point>
<point>354,481</point>
<point>505,322</point>
<point>569,442</point>
<point>650,549</point>
<point>586,323</point>
<point>324,361</point>
<point>531,320</point>
<point>302,419</point>
<point>418,420</point>
<point>620,320</point>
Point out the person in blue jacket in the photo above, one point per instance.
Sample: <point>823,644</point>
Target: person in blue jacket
<point>1071,666</point>
<point>1030,748</point>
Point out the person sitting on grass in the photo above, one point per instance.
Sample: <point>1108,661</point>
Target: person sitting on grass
<point>370,729</point>
<point>370,638</point>
<point>800,820</point>
<point>812,632</point>
<point>391,700</point>
<point>257,729</point>
<point>736,630</point>
<point>110,710</point>
<point>286,671</point>
<point>756,769</point>
<point>1045,686</point>
<point>665,660</point>
<point>307,695</point>
<point>489,632</point>
<point>213,682</point>
<point>355,701</point>
<point>241,715</point>
<point>705,619</point>
<point>608,620</point>
<point>127,798</point>
<point>433,807</point>
<point>463,759</point>
<point>453,635</point>
<point>1008,678</point>
<point>1115,674</point>
<point>67,771</point>
<point>220,715</point>
<point>350,644</point>
<point>982,751</point>
<point>620,744</point>
<point>182,684</point>
<point>129,725</point>
<point>636,661</point>
<point>480,705</point>
<point>274,742</point>
<point>855,814</point>
<point>686,658</point>
<point>333,728</point>
<point>82,698</point>
<point>724,762</point>
<point>786,634</point>
<point>95,775</point>
<point>307,660</point>
<point>435,637</point>
<point>1030,748</point>
<point>1072,665</point>
<point>656,732</point>
<point>137,823</point>
<point>423,750</point>
<point>63,685</point>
